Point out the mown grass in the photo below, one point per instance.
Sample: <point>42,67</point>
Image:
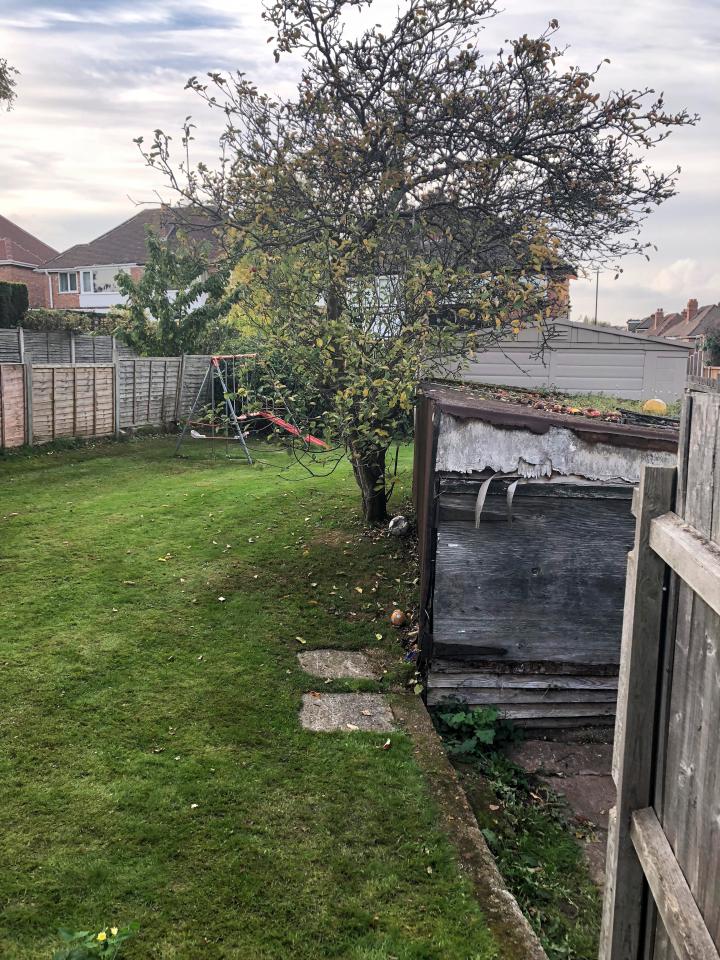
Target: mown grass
<point>152,767</point>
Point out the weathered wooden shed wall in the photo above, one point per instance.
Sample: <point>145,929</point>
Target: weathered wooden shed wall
<point>524,609</point>
<point>585,359</point>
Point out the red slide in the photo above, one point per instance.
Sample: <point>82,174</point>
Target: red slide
<point>279,422</point>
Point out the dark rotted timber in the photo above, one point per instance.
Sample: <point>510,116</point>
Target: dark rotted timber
<point>546,586</point>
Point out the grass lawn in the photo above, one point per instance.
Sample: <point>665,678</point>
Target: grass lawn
<point>152,767</point>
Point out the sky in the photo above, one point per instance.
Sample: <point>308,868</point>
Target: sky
<point>94,74</point>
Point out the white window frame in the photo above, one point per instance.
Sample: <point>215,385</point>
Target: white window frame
<point>68,274</point>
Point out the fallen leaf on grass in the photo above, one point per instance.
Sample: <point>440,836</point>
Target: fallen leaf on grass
<point>221,599</point>
<point>352,726</point>
<point>300,640</point>
<point>359,589</point>
<point>386,745</point>
<point>493,807</point>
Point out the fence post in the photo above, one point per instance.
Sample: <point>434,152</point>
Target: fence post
<point>638,691</point>
<point>178,392</point>
<point>116,388</point>
<point>28,403</point>
<point>72,347</point>
<point>21,344</point>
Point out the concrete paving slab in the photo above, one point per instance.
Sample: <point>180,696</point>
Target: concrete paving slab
<point>345,712</point>
<point>338,664</point>
<point>581,773</point>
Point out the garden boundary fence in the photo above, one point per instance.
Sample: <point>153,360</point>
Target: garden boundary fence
<point>42,402</point>
<point>19,345</point>
<point>662,896</point>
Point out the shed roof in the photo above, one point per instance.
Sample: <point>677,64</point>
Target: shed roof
<point>464,403</point>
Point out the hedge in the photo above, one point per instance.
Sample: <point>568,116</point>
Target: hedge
<point>13,303</point>
<point>47,320</point>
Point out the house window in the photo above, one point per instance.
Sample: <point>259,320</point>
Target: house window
<point>100,280</point>
<point>68,282</point>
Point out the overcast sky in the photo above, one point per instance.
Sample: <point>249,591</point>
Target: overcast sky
<point>94,74</point>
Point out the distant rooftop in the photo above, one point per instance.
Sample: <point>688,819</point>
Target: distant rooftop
<point>687,324</point>
<point>20,247</point>
<point>126,243</point>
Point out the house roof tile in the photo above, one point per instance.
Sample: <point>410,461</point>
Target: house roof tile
<point>19,246</point>
<point>126,243</point>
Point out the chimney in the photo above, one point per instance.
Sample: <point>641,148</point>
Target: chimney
<point>691,309</point>
<point>658,318</point>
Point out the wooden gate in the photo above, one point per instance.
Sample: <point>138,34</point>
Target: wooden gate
<point>662,898</point>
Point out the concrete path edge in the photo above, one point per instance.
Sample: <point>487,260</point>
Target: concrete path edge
<point>512,931</point>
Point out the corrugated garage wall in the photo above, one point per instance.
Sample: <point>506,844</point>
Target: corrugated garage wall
<point>584,359</point>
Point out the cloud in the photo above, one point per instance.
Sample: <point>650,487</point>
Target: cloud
<point>97,74</point>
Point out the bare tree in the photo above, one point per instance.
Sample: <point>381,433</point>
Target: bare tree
<point>414,198</point>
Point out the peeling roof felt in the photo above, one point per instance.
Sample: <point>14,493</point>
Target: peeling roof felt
<point>126,243</point>
<point>20,246</point>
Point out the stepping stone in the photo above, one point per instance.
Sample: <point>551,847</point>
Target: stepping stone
<point>338,664</point>
<point>335,712</point>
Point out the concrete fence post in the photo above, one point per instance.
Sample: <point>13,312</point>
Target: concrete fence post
<point>28,402</point>
<point>178,394</point>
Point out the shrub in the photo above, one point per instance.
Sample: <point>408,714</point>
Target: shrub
<point>13,303</point>
<point>712,345</point>
<point>82,322</point>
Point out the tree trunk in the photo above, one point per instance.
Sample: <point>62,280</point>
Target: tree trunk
<point>369,470</point>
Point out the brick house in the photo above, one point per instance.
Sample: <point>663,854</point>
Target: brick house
<point>84,277</point>
<point>20,254</point>
<point>690,324</point>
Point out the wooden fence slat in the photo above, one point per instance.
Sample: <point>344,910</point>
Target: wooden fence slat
<point>634,728</point>
<point>680,915</point>
<point>691,555</point>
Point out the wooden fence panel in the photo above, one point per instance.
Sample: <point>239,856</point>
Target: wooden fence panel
<point>72,401</point>
<point>11,345</point>
<point>195,367</point>
<point>89,399</point>
<point>12,405</point>
<point>666,829</point>
<point>148,390</point>
<point>690,813</point>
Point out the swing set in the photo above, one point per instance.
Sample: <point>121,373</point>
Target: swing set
<point>245,398</point>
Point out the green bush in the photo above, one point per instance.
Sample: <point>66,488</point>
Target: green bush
<point>13,303</point>
<point>712,346</point>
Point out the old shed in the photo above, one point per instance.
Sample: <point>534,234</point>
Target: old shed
<point>525,522</point>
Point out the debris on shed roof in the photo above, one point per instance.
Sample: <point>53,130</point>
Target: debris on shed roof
<point>535,412</point>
